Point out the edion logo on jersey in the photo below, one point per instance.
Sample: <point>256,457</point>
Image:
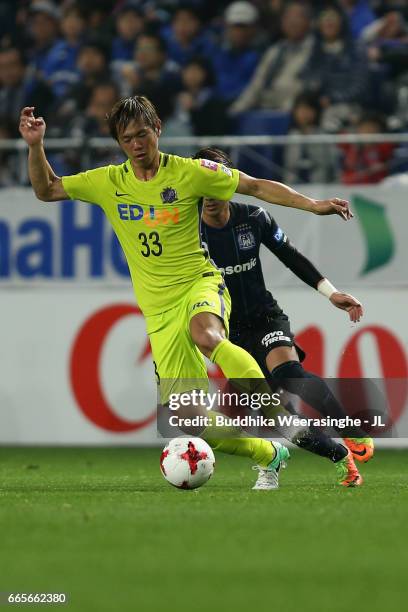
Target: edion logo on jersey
<point>275,336</point>
<point>151,216</point>
<point>238,268</point>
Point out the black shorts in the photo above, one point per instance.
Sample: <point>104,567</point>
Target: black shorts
<point>263,334</point>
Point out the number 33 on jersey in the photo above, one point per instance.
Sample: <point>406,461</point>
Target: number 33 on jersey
<point>157,221</point>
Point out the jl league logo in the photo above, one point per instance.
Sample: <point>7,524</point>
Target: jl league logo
<point>169,195</point>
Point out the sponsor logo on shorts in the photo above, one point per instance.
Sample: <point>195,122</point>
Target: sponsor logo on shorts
<point>201,304</point>
<point>238,268</point>
<point>246,240</point>
<point>275,336</point>
<point>209,164</point>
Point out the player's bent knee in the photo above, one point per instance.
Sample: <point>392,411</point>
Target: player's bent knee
<point>281,355</point>
<point>207,340</point>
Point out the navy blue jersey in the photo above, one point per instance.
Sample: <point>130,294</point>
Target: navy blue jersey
<point>235,249</point>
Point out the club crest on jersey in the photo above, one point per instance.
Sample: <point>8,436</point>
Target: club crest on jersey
<point>246,240</point>
<point>169,195</point>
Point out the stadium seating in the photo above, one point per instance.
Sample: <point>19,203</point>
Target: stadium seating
<point>262,160</point>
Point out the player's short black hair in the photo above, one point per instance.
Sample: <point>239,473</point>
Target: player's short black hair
<point>133,108</point>
<point>214,154</point>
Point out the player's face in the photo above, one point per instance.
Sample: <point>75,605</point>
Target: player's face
<point>140,143</point>
<point>214,208</point>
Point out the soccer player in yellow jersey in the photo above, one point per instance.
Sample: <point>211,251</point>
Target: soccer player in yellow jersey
<point>152,201</point>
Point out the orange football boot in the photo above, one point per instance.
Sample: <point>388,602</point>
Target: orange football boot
<point>362,448</point>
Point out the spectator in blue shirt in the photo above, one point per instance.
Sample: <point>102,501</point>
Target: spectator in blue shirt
<point>44,32</point>
<point>92,65</point>
<point>185,38</point>
<point>237,57</point>
<point>130,23</point>
<point>59,66</point>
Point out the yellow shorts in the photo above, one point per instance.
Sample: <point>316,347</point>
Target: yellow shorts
<point>179,365</point>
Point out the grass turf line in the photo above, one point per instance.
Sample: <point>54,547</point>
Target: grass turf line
<point>103,526</point>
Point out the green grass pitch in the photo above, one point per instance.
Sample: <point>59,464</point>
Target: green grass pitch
<point>103,526</point>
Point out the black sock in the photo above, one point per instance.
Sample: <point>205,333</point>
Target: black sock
<point>312,390</point>
<point>315,441</point>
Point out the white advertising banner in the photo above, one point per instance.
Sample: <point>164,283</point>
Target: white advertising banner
<point>76,365</point>
<point>72,243</point>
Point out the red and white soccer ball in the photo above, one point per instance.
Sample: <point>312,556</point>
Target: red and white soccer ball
<point>187,463</point>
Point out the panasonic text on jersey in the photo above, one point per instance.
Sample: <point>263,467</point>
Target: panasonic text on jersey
<point>238,268</point>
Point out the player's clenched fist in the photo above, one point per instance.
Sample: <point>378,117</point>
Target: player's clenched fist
<point>32,129</point>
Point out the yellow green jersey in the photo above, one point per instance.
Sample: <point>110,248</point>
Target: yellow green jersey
<point>157,222</point>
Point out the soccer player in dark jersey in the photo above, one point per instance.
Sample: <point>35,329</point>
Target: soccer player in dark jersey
<point>233,234</point>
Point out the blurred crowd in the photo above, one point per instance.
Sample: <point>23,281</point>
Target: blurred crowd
<point>215,67</point>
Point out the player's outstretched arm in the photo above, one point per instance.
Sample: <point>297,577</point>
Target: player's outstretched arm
<point>278,243</point>
<point>278,193</point>
<point>46,184</point>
